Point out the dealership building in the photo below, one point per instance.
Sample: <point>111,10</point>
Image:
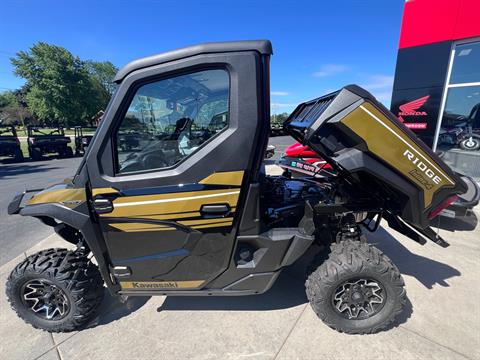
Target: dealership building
<point>436,92</point>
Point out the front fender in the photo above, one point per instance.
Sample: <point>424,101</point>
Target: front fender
<point>82,222</point>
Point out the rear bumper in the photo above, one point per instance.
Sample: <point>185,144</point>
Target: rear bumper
<point>465,202</point>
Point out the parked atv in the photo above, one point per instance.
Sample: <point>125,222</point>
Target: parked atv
<point>270,152</point>
<point>276,129</point>
<point>191,214</point>
<point>9,143</point>
<point>299,160</point>
<point>43,140</point>
<point>82,137</point>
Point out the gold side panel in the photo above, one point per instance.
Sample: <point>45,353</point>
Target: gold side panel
<point>160,285</point>
<point>195,224</point>
<point>219,224</point>
<point>68,197</point>
<point>170,216</point>
<point>179,216</point>
<point>163,204</point>
<point>101,191</point>
<point>387,142</point>
<point>132,227</point>
<point>204,221</point>
<point>233,178</point>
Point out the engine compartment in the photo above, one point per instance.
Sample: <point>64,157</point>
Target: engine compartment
<point>332,203</point>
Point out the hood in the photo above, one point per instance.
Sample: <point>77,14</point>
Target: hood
<point>63,193</point>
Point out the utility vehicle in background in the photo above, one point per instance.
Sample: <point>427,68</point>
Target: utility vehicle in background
<point>193,212</point>
<point>9,143</point>
<point>299,160</point>
<point>48,140</point>
<point>82,137</point>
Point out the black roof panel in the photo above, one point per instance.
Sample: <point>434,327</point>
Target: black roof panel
<point>262,46</point>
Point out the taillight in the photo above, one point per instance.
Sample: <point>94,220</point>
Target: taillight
<point>443,205</point>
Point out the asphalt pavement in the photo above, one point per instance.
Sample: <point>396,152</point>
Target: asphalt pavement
<point>18,233</point>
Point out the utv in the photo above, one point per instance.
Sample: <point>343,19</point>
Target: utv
<point>193,215</point>
<point>83,137</point>
<point>43,140</point>
<point>9,143</point>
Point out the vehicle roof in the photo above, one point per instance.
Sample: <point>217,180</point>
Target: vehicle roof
<point>262,46</point>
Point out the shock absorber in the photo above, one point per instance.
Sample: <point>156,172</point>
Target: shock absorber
<point>349,229</point>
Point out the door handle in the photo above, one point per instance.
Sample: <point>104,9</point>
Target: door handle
<point>215,210</point>
<point>102,206</point>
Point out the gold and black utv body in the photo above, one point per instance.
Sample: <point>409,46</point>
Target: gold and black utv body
<point>215,223</point>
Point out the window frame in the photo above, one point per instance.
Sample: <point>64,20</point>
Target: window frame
<point>132,91</point>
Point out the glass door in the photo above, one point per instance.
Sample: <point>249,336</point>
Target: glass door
<point>458,132</point>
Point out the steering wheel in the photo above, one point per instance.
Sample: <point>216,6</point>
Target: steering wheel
<point>154,160</point>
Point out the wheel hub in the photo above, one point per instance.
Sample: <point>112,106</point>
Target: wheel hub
<point>358,299</point>
<point>45,299</point>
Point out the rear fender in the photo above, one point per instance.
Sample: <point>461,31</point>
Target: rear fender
<point>415,233</point>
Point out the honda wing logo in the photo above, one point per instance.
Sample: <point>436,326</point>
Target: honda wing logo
<point>410,108</point>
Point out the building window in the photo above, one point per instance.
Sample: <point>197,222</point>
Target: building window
<point>168,120</point>
<point>466,62</point>
<point>458,138</point>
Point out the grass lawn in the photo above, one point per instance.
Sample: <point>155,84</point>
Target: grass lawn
<point>24,147</point>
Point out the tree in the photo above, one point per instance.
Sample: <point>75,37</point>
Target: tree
<point>103,72</point>
<point>279,118</point>
<point>13,108</point>
<point>62,89</point>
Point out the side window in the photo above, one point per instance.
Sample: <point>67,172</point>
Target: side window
<point>170,119</point>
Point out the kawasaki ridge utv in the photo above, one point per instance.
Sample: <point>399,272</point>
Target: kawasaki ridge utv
<point>192,212</point>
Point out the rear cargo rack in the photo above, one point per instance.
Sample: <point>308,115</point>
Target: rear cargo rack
<point>307,113</point>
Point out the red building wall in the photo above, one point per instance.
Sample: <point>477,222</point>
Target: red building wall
<point>430,21</point>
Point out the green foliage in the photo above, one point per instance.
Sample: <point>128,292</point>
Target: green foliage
<point>13,108</point>
<point>103,72</point>
<point>279,118</point>
<point>62,89</point>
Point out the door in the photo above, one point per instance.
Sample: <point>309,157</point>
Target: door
<point>170,163</point>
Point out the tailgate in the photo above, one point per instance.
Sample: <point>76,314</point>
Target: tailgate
<point>367,144</point>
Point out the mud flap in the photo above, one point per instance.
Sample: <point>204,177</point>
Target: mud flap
<point>413,232</point>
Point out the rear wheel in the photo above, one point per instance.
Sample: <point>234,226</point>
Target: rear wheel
<point>18,155</point>
<point>35,153</point>
<point>357,290</point>
<point>68,152</point>
<point>55,290</point>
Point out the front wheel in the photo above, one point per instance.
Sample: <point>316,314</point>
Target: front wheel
<point>35,153</point>
<point>56,290</point>
<point>357,290</point>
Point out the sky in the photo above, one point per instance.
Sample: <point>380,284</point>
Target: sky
<point>319,46</point>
